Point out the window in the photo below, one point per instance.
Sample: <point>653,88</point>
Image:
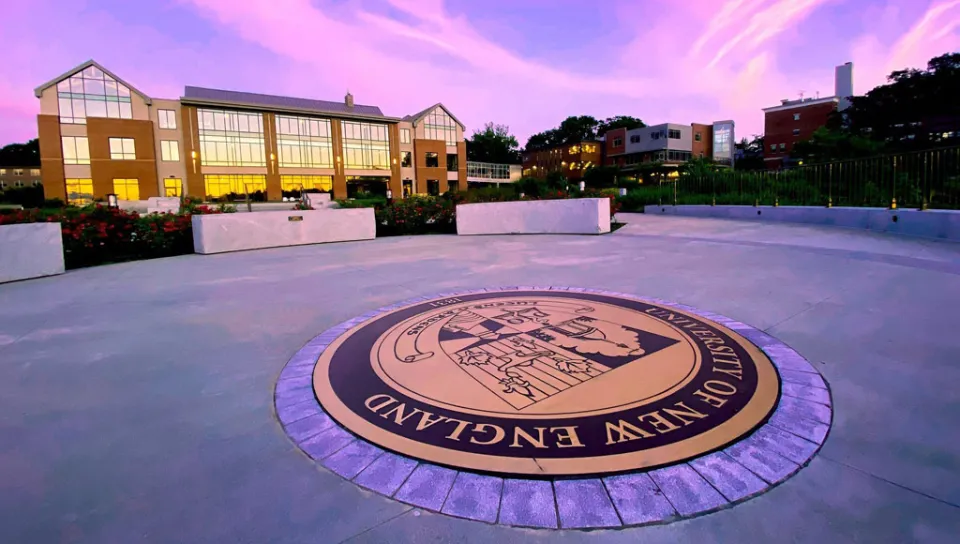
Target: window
<point>304,142</point>
<point>440,126</point>
<point>697,137</point>
<point>674,134</point>
<point>126,189</point>
<point>488,170</point>
<point>655,135</point>
<point>296,183</point>
<point>796,116</point>
<point>783,146</point>
<point>617,142</point>
<point>231,138</point>
<point>405,159</point>
<point>773,147</point>
<point>122,149</point>
<point>433,160</point>
<point>34,171</point>
<point>172,187</point>
<point>404,135</point>
<point>433,187</point>
<point>453,185</point>
<point>217,185</point>
<point>76,150</point>
<point>796,132</point>
<point>3,171</point>
<point>18,183</point>
<point>17,171</point>
<point>170,150</point>
<point>92,93</point>
<point>366,145</point>
<point>452,162</point>
<point>168,119</point>
<point>37,183</point>
<point>79,191</point>
<point>633,139</point>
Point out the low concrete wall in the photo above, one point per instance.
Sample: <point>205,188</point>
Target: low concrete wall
<point>573,216</point>
<point>940,224</point>
<point>30,250</point>
<point>218,233</point>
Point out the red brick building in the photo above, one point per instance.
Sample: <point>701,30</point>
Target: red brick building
<point>791,122</point>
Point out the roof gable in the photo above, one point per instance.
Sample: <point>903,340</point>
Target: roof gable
<point>38,92</point>
<point>415,118</point>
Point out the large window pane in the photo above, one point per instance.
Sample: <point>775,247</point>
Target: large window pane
<point>79,191</point>
<point>231,138</point>
<point>127,189</point>
<point>366,145</point>
<point>92,93</point>
<point>304,142</point>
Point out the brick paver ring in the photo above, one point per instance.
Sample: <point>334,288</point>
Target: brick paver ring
<point>554,407</point>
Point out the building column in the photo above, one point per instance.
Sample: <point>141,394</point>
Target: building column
<point>274,186</point>
<point>51,157</point>
<point>396,184</point>
<point>339,178</point>
<point>193,185</point>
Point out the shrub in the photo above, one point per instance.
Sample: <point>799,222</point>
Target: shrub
<point>417,215</point>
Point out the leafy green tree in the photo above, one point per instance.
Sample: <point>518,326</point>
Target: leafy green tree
<point>602,176</point>
<point>828,144</point>
<point>618,121</point>
<point>573,129</point>
<point>27,154</point>
<point>750,154</point>
<point>493,144</point>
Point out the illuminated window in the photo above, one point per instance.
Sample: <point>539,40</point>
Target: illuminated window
<point>91,93</point>
<point>170,150</point>
<point>296,183</point>
<point>440,126</point>
<point>783,146</point>
<point>219,185</point>
<point>674,134</point>
<point>79,191</point>
<point>168,119</point>
<point>574,150</point>
<point>122,149</point>
<point>76,150</point>
<point>773,147</point>
<point>126,189</point>
<point>406,158</point>
<point>17,171</point>
<point>34,171</point>
<point>3,171</point>
<point>366,146</point>
<point>796,116</point>
<point>172,187</point>
<point>231,138</point>
<point>404,135</point>
<point>433,160</point>
<point>304,142</point>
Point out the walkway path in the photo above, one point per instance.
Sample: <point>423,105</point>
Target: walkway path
<point>135,399</point>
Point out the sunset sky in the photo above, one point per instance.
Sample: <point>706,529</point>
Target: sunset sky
<point>523,63</point>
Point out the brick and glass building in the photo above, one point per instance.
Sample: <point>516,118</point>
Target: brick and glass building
<point>99,135</point>
<point>15,177</point>
<point>572,160</point>
<point>796,120</point>
<point>671,144</point>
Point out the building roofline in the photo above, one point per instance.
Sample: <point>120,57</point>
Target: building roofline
<point>38,92</point>
<point>415,118</point>
<point>794,105</point>
<point>284,109</point>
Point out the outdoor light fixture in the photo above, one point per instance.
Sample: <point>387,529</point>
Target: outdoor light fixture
<point>623,191</point>
<point>112,201</point>
<point>583,186</point>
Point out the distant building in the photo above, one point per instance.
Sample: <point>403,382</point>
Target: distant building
<point>570,159</point>
<point>796,120</point>
<point>670,144</point>
<point>19,176</point>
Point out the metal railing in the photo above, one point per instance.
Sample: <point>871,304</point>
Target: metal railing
<point>922,179</point>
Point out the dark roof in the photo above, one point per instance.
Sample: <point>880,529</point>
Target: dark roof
<point>201,94</point>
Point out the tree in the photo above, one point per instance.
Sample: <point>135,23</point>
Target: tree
<point>573,129</point>
<point>493,144</point>
<point>602,176</point>
<point>749,154</point>
<point>618,121</point>
<point>27,154</point>
<point>828,144</point>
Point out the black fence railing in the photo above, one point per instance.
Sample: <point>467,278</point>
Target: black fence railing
<point>922,179</point>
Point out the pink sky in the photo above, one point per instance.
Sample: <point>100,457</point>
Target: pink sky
<point>524,63</point>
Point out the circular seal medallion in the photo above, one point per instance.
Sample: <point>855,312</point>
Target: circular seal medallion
<point>546,383</point>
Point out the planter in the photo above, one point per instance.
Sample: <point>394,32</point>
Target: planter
<point>572,216</point>
<point>30,250</point>
<point>257,230</point>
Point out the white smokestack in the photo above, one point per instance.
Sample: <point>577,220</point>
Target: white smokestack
<point>843,85</point>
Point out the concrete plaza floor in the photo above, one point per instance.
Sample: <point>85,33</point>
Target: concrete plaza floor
<point>136,399</point>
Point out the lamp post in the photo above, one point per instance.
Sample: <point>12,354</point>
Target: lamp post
<point>113,201</point>
<point>389,197</point>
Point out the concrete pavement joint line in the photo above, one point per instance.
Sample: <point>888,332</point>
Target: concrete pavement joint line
<point>686,481</point>
<point>372,527</point>
<point>891,482</point>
